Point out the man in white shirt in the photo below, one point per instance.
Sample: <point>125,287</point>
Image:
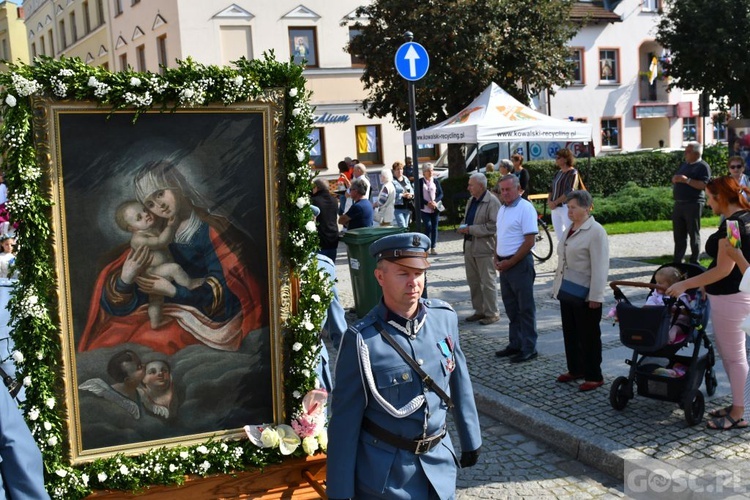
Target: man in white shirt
<point>516,230</point>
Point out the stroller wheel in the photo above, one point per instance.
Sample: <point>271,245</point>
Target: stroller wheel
<point>620,393</point>
<point>711,382</point>
<point>693,404</point>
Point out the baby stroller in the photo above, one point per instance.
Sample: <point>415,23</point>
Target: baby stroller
<point>646,331</point>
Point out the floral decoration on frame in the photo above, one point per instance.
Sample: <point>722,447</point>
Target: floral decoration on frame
<point>34,302</point>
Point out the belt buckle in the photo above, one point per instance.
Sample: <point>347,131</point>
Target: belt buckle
<point>423,446</point>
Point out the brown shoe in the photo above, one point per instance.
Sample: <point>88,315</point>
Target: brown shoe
<point>568,377</point>
<point>475,317</point>
<point>590,386</point>
<point>489,320</point>
<point>433,251</point>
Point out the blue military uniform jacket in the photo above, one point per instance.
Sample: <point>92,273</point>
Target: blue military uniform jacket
<point>373,381</point>
<point>20,459</point>
<point>334,323</point>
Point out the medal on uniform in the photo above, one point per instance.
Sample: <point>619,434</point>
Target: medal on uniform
<point>446,348</point>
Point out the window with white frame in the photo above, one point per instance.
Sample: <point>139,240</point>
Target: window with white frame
<point>318,150</point>
<point>689,129</point>
<point>369,144</point>
<point>720,127</point>
<point>357,61</point>
<point>650,5</point>
<point>609,71</point>
<point>610,132</point>
<point>575,59</point>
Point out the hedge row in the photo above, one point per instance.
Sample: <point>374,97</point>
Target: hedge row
<point>614,181</point>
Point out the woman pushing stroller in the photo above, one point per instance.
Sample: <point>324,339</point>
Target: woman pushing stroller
<point>729,305</point>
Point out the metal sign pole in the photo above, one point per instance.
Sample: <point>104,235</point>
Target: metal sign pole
<point>415,157</point>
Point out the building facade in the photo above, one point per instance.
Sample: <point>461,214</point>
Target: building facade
<point>13,46</point>
<point>620,87</point>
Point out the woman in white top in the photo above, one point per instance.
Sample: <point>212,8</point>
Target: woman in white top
<point>432,193</point>
<point>386,199</point>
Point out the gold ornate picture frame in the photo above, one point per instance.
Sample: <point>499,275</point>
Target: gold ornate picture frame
<point>172,288</point>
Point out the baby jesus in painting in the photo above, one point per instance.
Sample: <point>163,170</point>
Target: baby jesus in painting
<point>133,217</point>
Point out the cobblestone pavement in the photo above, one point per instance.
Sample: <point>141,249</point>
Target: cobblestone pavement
<point>525,400</point>
<point>512,465</point>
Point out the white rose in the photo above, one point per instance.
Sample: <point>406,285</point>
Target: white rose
<point>301,155</point>
<point>308,326</point>
<point>39,355</point>
<point>310,445</point>
<point>18,355</point>
<point>85,479</point>
<point>301,202</point>
<point>10,100</point>
<point>47,426</point>
<point>296,111</point>
<point>315,297</point>
<point>202,449</point>
<point>135,82</point>
<point>61,472</point>
<point>292,176</point>
<point>172,467</point>
<point>293,92</point>
<point>33,414</point>
<point>102,476</point>
<point>310,226</point>
<point>52,441</point>
<point>296,347</point>
<point>50,403</point>
<point>238,80</point>
<point>269,437</point>
<point>33,299</point>
<point>124,470</point>
<point>188,93</point>
<point>184,455</point>
<point>323,439</point>
<point>27,381</point>
<point>93,82</point>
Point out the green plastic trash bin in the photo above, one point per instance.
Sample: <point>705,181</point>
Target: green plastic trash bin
<point>367,292</point>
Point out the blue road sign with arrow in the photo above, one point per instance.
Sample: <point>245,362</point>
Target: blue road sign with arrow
<point>412,61</point>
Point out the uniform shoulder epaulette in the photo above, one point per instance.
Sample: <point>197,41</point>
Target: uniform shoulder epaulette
<point>437,303</point>
<point>368,320</point>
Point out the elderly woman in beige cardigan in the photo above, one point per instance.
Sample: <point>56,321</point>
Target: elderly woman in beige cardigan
<point>583,264</point>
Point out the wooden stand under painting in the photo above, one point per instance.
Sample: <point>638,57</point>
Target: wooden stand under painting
<point>299,478</point>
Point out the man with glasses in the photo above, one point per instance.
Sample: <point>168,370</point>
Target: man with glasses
<point>689,183</point>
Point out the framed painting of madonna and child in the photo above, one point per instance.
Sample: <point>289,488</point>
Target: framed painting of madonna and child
<point>170,282</point>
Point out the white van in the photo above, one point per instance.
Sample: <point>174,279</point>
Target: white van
<point>476,156</point>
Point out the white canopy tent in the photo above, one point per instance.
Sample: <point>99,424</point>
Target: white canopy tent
<point>496,116</point>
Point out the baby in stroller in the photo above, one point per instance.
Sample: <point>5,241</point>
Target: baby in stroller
<point>666,277</point>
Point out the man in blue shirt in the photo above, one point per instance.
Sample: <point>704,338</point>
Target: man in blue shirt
<point>360,214</point>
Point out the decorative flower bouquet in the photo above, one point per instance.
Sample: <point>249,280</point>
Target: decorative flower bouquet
<point>308,428</point>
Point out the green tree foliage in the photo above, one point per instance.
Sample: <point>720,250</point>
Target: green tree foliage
<point>518,44</point>
<point>707,42</point>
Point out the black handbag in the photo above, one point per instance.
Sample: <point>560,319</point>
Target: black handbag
<point>572,293</point>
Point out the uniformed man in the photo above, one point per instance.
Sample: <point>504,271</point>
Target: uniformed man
<point>399,370</point>
<point>21,466</point>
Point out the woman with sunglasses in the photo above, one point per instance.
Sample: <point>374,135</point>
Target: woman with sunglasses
<point>736,171</point>
<point>729,305</point>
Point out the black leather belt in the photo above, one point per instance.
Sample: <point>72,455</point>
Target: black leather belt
<point>503,258</point>
<point>416,446</point>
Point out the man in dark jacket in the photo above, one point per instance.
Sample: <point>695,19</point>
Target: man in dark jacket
<point>328,229</point>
